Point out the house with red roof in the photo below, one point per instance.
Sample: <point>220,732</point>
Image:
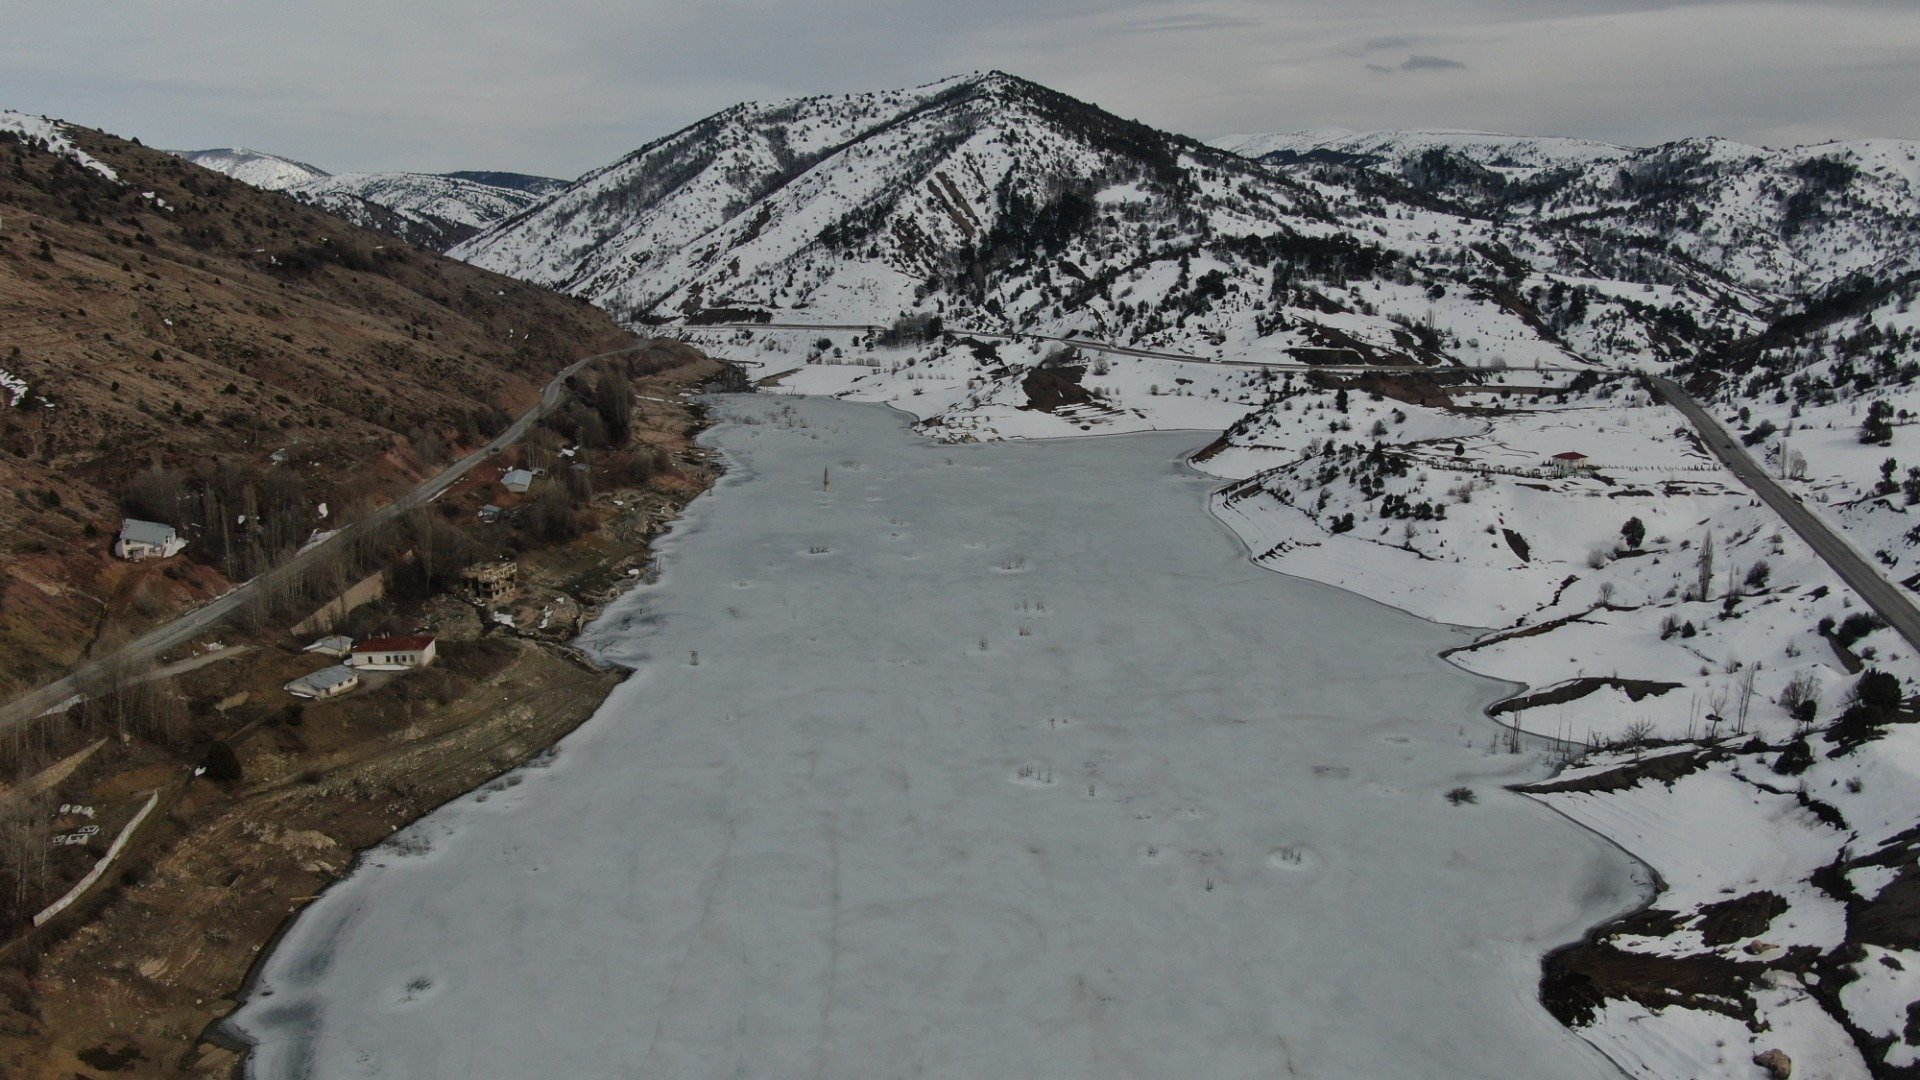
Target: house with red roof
<point>392,653</point>
<point>1571,463</point>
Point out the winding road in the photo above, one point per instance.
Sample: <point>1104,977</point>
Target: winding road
<point>59,693</point>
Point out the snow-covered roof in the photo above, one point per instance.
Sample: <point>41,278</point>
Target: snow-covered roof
<point>327,678</point>
<point>147,532</point>
<point>337,644</point>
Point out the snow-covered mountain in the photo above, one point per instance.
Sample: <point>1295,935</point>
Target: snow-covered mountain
<point>433,210</point>
<point>996,203</point>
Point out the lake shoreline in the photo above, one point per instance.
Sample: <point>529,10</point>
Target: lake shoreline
<point>741,472</point>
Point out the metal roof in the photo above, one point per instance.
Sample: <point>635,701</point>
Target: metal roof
<point>147,532</point>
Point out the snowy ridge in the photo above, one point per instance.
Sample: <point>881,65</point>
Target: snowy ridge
<point>53,134</point>
<point>1517,154</point>
<point>429,209</point>
<point>422,196</point>
<point>1781,221</point>
<point>262,170</point>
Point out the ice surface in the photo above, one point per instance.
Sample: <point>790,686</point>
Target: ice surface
<point>983,761</point>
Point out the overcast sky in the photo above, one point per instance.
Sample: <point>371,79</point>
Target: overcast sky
<point>560,86</point>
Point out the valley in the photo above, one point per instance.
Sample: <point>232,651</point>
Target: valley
<point>1458,374</point>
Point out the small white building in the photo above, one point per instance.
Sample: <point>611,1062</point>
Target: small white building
<point>517,481</point>
<point>393,653</point>
<point>325,683</point>
<point>335,645</point>
<point>147,540</point>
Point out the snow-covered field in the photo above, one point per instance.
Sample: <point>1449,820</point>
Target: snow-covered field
<point>988,760</point>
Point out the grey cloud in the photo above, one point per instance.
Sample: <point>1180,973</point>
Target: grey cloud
<point>1416,62</point>
<point>1187,22</point>
<point>567,85</point>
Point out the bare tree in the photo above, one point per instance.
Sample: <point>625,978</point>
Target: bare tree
<point>1746,698</point>
<point>1703,587</point>
<point>1800,698</point>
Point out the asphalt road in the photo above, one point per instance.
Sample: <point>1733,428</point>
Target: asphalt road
<point>192,624</point>
<point>1890,601</point>
<point>1120,350</point>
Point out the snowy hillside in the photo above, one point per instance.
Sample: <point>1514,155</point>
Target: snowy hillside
<point>432,210</point>
<point>1785,221</point>
<point>52,135</point>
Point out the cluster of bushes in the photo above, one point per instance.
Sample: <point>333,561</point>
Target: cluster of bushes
<point>237,515</point>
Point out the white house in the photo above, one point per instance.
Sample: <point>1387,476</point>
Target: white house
<point>325,683</point>
<point>517,481</point>
<point>147,540</point>
<point>393,653</point>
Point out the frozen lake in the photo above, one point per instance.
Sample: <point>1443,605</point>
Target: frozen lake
<point>996,761</point>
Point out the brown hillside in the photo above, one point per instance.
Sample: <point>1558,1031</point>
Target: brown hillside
<point>181,319</point>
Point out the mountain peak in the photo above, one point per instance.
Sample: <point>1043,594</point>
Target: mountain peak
<point>254,167</point>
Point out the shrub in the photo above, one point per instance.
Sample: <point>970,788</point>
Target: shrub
<point>222,764</point>
<point>1855,626</point>
<point>1795,759</point>
<point>1634,532</point>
